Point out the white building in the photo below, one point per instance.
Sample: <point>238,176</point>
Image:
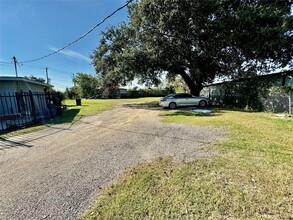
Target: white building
<point>17,84</point>
<point>11,104</point>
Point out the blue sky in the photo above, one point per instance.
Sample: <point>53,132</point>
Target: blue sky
<point>30,29</point>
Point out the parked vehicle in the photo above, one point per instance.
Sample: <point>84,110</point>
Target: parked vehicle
<point>183,99</point>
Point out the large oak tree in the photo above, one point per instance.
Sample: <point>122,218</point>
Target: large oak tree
<point>196,39</point>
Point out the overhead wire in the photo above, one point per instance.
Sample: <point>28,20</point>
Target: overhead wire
<point>61,71</point>
<point>37,67</point>
<point>64,72</point>
<point>81,37</point>
<point>21,63</point>
<point>61,85</point>
<point>3,62</point>
<point>59,80</point>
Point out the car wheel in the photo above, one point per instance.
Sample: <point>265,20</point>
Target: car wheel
<point>172,105</point>
<point>202,103</point>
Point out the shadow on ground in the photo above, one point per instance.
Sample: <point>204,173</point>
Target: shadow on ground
<point>68,117</point>
<point>146,106</point>
<point>180,111</point>
<point>189,112</point>
<point>6,143</point>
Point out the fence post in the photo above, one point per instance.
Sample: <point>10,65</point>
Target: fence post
<point>49,105</point>
<point>17,96</point>
<point>31,96</point>
<point>59,104</point>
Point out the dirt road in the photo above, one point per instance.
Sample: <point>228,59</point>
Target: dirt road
<point>57,172</point>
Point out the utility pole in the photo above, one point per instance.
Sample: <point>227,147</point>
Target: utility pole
<point>15,67</point>
<point>73,79</point>
<point>47,76</point>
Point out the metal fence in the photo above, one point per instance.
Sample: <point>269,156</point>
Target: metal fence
<point>23,108</point>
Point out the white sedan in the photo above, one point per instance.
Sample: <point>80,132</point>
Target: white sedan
<point>183,99</point>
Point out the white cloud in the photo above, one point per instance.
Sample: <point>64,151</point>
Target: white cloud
<point>15,11</point>
<point>73,54</point>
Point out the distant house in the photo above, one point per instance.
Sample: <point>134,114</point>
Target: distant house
<point>277,99</point>
<point>122,91</point>
<point>111,92</point>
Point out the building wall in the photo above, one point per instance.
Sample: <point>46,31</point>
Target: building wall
<point>11,86</point>
<point>123,91</point>
<point>8,88</point>
<point>277,100</point>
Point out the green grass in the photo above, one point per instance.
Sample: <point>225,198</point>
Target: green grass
<point>95,106</point>
<point>251,178</point>
<point>75,113</point>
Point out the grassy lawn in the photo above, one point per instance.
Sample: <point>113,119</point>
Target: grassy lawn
<point>75,113</point>
<point>251,178</point>
<point>94,106</point>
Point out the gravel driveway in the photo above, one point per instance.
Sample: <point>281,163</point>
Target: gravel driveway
<point>56,173</point>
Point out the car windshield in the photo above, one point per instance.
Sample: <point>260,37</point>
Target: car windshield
<point>180,95</point>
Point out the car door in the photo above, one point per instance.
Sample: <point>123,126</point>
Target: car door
<point>188,99</point>
<point>179,99</point>
<point>183,99</point>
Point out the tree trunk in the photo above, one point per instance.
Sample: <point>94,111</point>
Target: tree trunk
<point>194,86</point>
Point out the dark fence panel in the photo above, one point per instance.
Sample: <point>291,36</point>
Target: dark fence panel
<point>23,108</point>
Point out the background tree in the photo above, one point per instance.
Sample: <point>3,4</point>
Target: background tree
<point>197,40</point>
<point>37,79</point>
<point>70,93</point>
<point>85,85</point>
<point>178,85</point>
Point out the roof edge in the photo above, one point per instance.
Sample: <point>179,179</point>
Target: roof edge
<point>23,79</point>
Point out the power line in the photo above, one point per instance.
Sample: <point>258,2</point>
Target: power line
<point>66,81</point>
<point>64,72</point>
<point>61,86</point>
<point>2,62</point>
<point>81,37</point>
<point>36,67</point>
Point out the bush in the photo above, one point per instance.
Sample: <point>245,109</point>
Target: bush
<point>146,93</point>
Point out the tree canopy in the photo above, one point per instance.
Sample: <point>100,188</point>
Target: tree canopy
<point>198,40</point>
<point>37,79</point>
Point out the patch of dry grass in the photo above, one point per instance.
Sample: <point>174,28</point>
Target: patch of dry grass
<point>251,178</point>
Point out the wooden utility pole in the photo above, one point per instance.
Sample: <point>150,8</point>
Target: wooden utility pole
<point>15,66</point>
<point>47,76</point>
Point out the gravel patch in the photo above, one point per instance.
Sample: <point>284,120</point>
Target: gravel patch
<point>56,173</point>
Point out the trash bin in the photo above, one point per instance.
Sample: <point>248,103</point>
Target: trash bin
<point>78,101</point>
